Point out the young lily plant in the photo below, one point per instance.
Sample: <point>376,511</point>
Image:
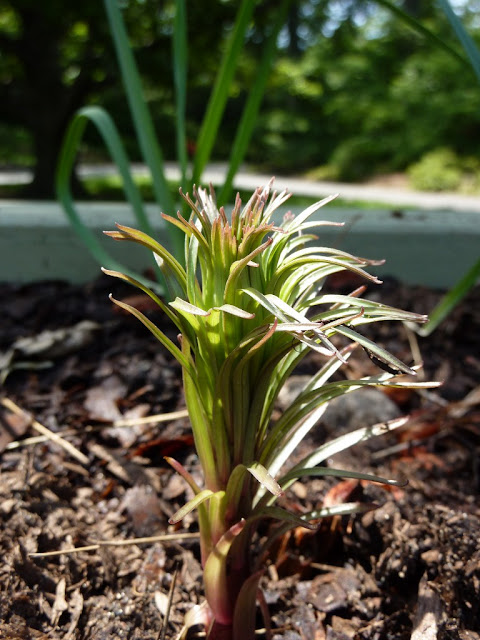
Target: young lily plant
<point>249,306</point>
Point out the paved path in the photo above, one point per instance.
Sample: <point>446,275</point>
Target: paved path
<point>246,179</point>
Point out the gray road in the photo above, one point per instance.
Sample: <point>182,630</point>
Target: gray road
<point>247,179</point>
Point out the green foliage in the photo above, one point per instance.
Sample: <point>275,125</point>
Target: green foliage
<point>360,88</point>
<point>248,306</point>
<point>148,142</point>
<point>444,170</point>
<point>469,279</point>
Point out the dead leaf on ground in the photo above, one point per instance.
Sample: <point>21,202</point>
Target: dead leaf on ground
<point>12,427</point>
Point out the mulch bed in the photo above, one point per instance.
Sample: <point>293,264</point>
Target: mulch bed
<point>409,569</point>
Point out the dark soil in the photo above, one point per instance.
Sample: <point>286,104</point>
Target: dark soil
<point>409,569</point>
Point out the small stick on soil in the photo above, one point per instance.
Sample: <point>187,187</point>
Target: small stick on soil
<point>51,435</point>
<point>130,422</point>
<point>163,630</point>
<point>166,537</point>
<point>429,613</point>
<point>159,417</point>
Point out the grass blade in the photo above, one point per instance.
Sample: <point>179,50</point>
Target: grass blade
<point>219,96</point>
<point>421,29</point>
<point>250,112</point>
<point>180,63</point>
<point>192,504</point>
<point>450,300</point>
<point>66,161</point>
<point>141,117</point>
<point>467,42</point>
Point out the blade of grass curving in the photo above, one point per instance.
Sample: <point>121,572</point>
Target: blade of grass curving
<point>466,41</point>
<point>244,616</point>
<point>180,58</point>
<point>382,354</point>
<point>141,117</point>
<point>347,508</point>
<point>420,28</point>
<point>281,454</point>
<point>219,96</point>
<point>278,513</point>
<point>249,116</point>
<point>341,473</point>
<point>68,153</point>
<point>450,300</point>
<point>167,262</point>
<point>459,291</point>
<point>192,504</point>
<point>289,429</point>
<point>161,337</point>
<point>180,469</point>
<point>166,310</point>
<point>344,442</point>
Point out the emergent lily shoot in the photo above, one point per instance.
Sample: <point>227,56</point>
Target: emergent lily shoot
<point>249,306</point>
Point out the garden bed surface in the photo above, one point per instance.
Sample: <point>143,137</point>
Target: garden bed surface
<point>409,569</point>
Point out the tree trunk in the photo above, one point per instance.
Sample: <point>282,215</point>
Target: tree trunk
<point>46,146</point>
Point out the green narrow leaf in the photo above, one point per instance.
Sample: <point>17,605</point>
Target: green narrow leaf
<point>212,448</point>
<point>186,307</point>
<point>235,311</point>
<point>379,352</point>
<point>347,508</point>
<point>249,117</point>
<point>180,469</point>
<point>192,504</point>
<point>266,303</point>
<point>101,120</point>
<point>122,276</point>
<point>135,235</point>
<point>295,223</point>
<point>238,266</point>
<point>261,474</point>
<point>420,28</point>
<point>340,473</point>
<point>141,117</point>
<point>346,441</point>
<point>180,65</point>
<point>244,616</point>
<point>451,300</point>
<point>218,99</point>
<point>159,335</point>
<point>467,42</point>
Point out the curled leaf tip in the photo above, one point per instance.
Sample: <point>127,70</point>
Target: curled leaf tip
<point>401,482</point>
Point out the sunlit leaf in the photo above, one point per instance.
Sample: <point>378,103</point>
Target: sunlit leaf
<point>192,504</point>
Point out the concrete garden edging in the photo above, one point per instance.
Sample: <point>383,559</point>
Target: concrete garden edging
<point>431,248</point>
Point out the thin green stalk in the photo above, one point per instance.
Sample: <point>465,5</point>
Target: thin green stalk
<point>180,64</point>
<point>420,28</point>
<point>250,113</point>
<point>464,37</point>
<point>451,300</point>
<point>219,96</point>
<point>66,162</point>
<point>142,120</point>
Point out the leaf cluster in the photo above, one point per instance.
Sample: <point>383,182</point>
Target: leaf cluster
<point>249,305</point>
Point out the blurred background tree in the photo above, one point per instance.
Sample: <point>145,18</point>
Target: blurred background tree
<point>354,92</point>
